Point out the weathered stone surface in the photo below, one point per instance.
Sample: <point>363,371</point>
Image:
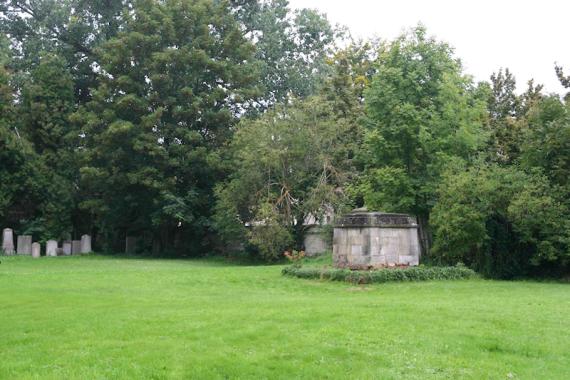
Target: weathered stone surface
<point>86,244</point>
<point>373,240</point>
<point>66,247</point>
<point>8,241</point>
<point>24,246</point>
<point>131,243</point>
<point>51,248</point>
<point>36,250</point>
<point>76,247</point>
<point>316,241</point>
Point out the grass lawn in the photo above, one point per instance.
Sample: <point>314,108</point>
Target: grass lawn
<point>106,318</point>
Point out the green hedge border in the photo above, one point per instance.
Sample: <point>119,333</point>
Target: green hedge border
<point>381,275</point>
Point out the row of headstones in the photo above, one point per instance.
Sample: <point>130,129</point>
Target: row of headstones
<point>25,246</point>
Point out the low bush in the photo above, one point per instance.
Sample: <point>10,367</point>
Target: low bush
<point>382,275</point>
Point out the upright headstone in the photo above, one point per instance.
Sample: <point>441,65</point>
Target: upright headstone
<point>51,248</point>
<point>131,244</point>
<point>85,244</point>
<point>24,245</point>
<point>36,250</point>
<point>67,248</point>
<point>76,247</point>
<point>8,241</point>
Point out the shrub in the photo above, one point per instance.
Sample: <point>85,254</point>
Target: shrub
<point>382,275</point>
<point>502,222</point>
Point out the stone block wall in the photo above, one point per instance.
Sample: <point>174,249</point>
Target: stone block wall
<point>316,241</point>
<point>380,240</point>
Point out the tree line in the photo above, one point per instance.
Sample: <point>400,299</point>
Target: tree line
<point>207,126</point>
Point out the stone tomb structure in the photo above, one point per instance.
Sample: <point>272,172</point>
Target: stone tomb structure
<point>367,240</point>
<point>315,241</point>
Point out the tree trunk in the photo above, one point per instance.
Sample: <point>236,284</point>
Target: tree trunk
<point>424,235</point>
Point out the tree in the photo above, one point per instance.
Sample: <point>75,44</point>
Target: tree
<point>47,102</point>
<point>504,106</point>
<point>501,221</point>
<point>174,80</point>
<point>422,115</point>
<point>291,47</point>
<point>564,80</point>
<point>547,140</point>
<point>31,195</point>
<point>289,164</point>
<point>70,29</point>
<point>507,116</point>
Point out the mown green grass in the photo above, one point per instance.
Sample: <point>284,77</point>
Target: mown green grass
<point>106,318</point>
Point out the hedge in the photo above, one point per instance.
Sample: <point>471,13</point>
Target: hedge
<point>381,275</point>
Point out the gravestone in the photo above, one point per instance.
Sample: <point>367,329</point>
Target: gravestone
<point>59,251</point>
<point>51,248</point>
<point>67,248</point>
<point>36,250</point>
<point>24,245</point>
<point>76,247</point>
<point>365,240</point>
<point>8,241</point>
<point>131,244</point>
<point>86,244</point>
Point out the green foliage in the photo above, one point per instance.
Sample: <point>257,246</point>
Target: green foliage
<point>382,275</point>
<point>500,221</point>
<point>269,234</point>
<point>176,76</point>
<point>507,116</point>
<point>547,140</point>
<point>422,115</point>
<point>287,165</point>
<point>71,29</point>
<point>30,191</point>
<point>47,102</point>
<point>291,47</point>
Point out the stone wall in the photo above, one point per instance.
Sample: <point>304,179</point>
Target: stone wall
<point>316,241</point>
<point>375,240</point>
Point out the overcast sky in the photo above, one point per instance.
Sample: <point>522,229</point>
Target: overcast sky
<point>525,36</point>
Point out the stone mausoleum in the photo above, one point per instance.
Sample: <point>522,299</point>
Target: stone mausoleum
<point>366,240</point>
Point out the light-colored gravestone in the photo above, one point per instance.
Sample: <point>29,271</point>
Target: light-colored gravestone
<point>51,248</point>
<point>364,240</point>
<point>66,248</point>
<point>36,250</point>
<point>85,244</point>
<point>131,244</point>
<point>8,241</point>
<point>24,246</point>
<point>76,247</point>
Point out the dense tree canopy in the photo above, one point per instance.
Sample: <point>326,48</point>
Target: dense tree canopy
<point>202,126</point>
<point>421,114</point>
<point>291,47</point>
<point>173,82</point>
<point>288,165</point>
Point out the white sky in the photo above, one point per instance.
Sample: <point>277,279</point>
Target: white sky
<point>525,36</point>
